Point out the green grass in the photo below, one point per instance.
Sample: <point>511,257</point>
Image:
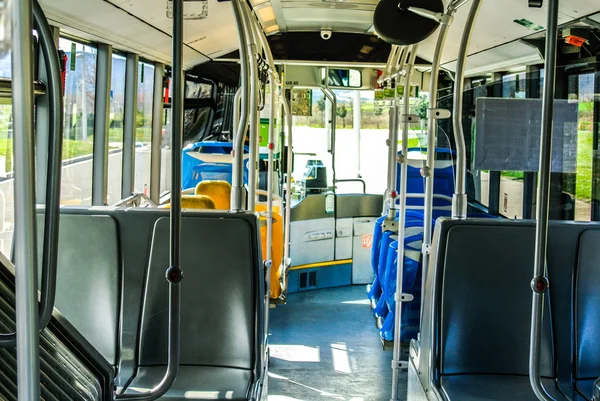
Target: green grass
<point>585,157</point>
<point>71,149</point>
<point>513,175</point>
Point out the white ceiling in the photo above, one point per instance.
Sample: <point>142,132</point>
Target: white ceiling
<point>142,26</point>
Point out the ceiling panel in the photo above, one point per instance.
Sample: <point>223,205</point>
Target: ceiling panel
<point>97,20</point>
<point>212,35</point>
<point>501,58</point>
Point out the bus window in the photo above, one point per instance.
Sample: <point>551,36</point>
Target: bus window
<point>79,105</point>
<point>581,89</point>
<point>165,154</point>
<point>7,201</point>
<point>115,130</point>
<point>143,127</point>
<point>5,65</point>
<point>514,86</point>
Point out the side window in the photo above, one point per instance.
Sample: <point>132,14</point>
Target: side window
<point>143,127</point>
<point>79,116</point>
<point>115,130</point>
<point>511,182</point>
<point>7,200</point>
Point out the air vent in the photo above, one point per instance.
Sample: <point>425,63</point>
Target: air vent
<point>308,280</point>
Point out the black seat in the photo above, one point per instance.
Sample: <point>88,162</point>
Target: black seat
<point>478,301</point>
<point>222,310</point>
<point>587,314</point>
<point>485,314</point>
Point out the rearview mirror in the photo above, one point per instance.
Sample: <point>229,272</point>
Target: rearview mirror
<point>342,77</point>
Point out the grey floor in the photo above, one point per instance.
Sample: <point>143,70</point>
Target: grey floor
<point>324,346</point>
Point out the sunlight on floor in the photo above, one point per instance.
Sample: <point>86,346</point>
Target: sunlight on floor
<point>341,361</point>
<point>295,353</point>
<point>357,302</point>
<point>320,392</point>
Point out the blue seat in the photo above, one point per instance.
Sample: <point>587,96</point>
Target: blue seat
<point>443,181</point>
<point>216,165</point>
<point>411,284</point>
<point>375,289</point>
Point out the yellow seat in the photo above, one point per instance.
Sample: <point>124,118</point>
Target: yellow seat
<point>219,191</point>
<point>276,247</point>
<point>194,202</point>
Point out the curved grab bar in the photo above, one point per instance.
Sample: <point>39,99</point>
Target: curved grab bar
<point>237,187</point>
<point>52,214</point>
<point>364,184</point>
<point>459,202</point>
<point>174,273</point>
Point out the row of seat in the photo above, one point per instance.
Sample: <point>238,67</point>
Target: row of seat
<point>475,336</point>
<point>112,288</point>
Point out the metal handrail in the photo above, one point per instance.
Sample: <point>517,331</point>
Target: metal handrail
<point>459,202</point>
<point>174,273</point>
<point>237,187</point>
<point>39,88</point>
<point>287,108</point>
<point>364,184</point>
<point>540,283</point>
<point>253,100</point>
<point>429,170</point>
<point>400,296</point>
<point>52,213</point>
<point>330,95</point>
<point>135,200</point>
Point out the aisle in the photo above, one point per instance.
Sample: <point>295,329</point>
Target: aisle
<point>325,346</point>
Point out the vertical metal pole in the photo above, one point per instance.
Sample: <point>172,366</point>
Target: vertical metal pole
<point>129,117</point>
<point>28,363</point>
<point>429,169</point>
<point>157,127</point>
<point>288,190</point>
<point>240,128</point>
<point>459,200</point>
<point>539,284</point>
<point>392,191</point>
<point>401,58</point>
<point>271,146</point>
<point>254,120</point>
<point>174,278</point>
<point>400,298</point>
<point>357,117</point>
<point>330,95</point>
<point>101,125</point>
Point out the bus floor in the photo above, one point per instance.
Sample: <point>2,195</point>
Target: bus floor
<point>324,346</point>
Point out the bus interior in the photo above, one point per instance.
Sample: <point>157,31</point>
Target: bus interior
<point>300,200</point>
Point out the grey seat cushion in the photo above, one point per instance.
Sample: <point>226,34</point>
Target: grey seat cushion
<point>494,388</point>
<point>196,383</point>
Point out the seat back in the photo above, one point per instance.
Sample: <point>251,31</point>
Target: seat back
<point>199,202</point>
<point>587,308</point>
<point>484,269</point>
<point>218,191</point>
<point>89,271</point>
<point>221,292</point>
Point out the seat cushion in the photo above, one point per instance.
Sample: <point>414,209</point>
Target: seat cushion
<point>586,388</point>
<point>196,383</point>
<point>494,388</point>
